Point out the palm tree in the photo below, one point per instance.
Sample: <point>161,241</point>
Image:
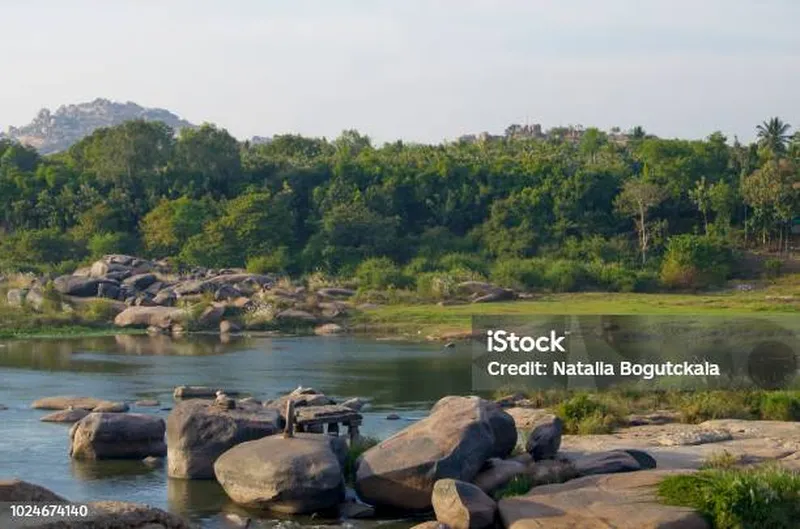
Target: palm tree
<point>774,135</point>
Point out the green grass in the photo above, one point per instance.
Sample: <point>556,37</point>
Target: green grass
<point>440,321</point>
<point>587,415</point>
<point>93,318</point>
<point>738,498</point>
<point>354,451</point>
<point>518,485</point>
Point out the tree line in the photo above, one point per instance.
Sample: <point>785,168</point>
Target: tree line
<point>630,204</point>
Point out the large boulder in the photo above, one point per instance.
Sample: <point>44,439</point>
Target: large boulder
<point>81,287</point>
<point>198,432</point>
<point>161,317</point>
<point>124,515</point>
<point>545,438</point>
<point>454,441</point>
<point>301,474</point>
<point>117,436</point>
<point>462,505</point>
<point>622,501</point>
<point>211,317</point>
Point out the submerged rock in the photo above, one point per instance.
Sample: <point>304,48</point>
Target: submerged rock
<point>66,403</point>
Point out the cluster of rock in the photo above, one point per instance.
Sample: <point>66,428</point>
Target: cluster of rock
<point>154,295</point>
<point>453,463</point>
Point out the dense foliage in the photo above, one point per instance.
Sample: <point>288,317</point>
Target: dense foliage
<point>567,210</point>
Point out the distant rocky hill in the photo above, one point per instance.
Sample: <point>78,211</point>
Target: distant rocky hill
<point>51,132</point>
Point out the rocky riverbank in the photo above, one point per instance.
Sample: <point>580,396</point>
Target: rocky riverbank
<point>130,292</point>
<point>470,463</point>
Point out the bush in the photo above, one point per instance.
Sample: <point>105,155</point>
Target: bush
<point>773,268</point>
<point>275,263</point>
<point>101,244</point>
<point>519,274</point>
<point>584,415</point>
<point>780,406</point>
<point>354,452</point>
<point>380,273</point>
<point>740,498</point>
<point>463,261</point>
<point>565,276</point>
<point>696,261</point>
<point>708,405</point>
<point>35,248</point>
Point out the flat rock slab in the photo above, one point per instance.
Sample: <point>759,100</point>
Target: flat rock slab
<point>65,416</point>
<point>619,501</point>
<point>751,441</point>
<point>66,402</point>
<point>326,414</point>
<point>696,437</point>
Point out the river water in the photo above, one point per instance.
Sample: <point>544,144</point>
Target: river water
<point>400,378</point>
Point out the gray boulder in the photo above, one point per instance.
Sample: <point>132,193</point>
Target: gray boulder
<point>198,432</point>
<point>162,317</point>
<point>140,281</point>
<point>607,463</point>
<point>302,474</point>
<point>462,505</point>
<point>454,441</point>
<point>117,436</point>
<point>82,287</point>
<point>545,438</point>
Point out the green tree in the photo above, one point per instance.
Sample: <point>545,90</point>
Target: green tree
<point>773,135</point>
<point>637,199</point>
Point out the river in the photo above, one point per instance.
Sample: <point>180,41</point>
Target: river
<point>400,378</point>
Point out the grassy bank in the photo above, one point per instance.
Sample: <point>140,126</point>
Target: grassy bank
<point>91,319</point>
<point>421,320</point>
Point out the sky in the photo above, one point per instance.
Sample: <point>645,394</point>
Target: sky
<point>417,70</point>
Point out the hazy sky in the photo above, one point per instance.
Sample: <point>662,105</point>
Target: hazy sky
<point>413,69</point>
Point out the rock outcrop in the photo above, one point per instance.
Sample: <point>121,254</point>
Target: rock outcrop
<point>622,501</point>
<point>454,441</point>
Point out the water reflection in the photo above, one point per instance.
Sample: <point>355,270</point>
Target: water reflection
<point>198,498</point>
<point>101,470</point>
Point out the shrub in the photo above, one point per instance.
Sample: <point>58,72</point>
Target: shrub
<point>565,276</point>
<point>275,263</point>
<point>98,311</point>
<point>101,244</point>
<point>354,451</point>
<point>584,415</point>
<point>380,273</point>
<point>463,261</point>
<point>740,498</point>
<point>780,406</point>
<point>419,265</point>
<point>773,268</point>
<point>709,405</point>
<point>519,273</point>
<point>696,261</point>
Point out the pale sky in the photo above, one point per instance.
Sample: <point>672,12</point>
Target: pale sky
<point>418,70</point>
